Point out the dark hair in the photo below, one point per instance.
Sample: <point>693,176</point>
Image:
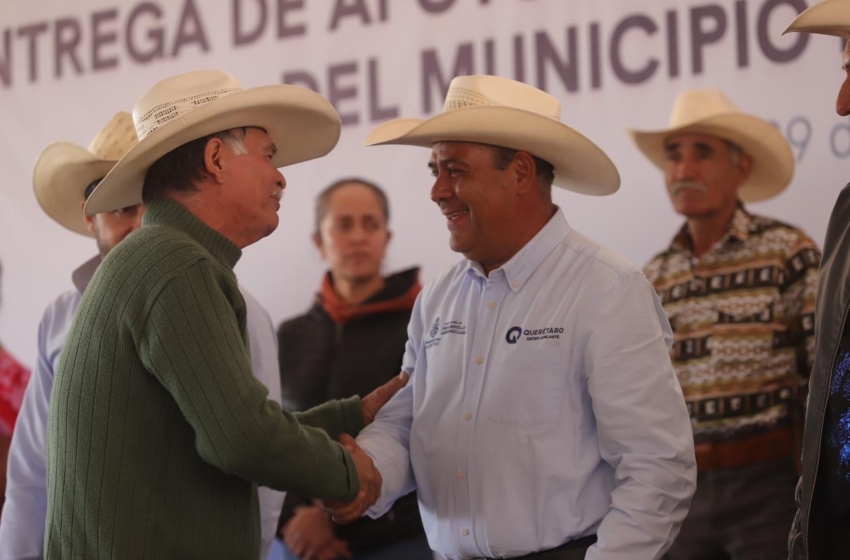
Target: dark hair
<point>324,198</point>
<point>93,185</point>
<point>179,169</point>
<point>502,158</point>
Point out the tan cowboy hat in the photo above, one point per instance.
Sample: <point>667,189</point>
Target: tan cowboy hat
<point>503,112</point>
<point>709,111</point>
<point>827,18</point>
<point>177,110</point>
<point>64,170</point>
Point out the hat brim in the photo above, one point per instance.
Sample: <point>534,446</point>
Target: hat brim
<point>580,165</point>
<point>302,124</point>
<point>827,18</point>
<point>60,177</point>
<point>773,162</point>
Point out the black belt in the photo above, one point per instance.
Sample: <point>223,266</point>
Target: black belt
<point>573,550</point>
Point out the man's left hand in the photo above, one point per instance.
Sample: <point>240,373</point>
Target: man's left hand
<point>372,403</point>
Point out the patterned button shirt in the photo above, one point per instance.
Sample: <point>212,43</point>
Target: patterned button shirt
<point>743,319</point>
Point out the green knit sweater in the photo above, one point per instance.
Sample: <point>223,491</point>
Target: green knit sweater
<point>158,431</point>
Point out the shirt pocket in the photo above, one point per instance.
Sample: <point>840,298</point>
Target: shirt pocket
<point>525,390</point>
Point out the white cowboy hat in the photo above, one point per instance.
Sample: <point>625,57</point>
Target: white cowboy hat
<point>827,18</point>
<point>64,170</point>
<point>503,112</point>
<point>302,124</point>
<point>708,111</point>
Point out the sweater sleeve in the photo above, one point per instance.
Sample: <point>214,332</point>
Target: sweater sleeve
<point>191,342</point>
<point>335,417</point>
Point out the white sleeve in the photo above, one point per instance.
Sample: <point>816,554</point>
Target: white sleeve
<point>262,341</point>
<point>643,424</point>
<point>387,439</point>
<point>25,510</point>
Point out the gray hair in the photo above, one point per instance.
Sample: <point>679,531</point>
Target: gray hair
<point>735,152</point>
<point>179,169</point>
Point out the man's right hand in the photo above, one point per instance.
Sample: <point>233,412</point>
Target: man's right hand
<point>370,485</point>
<point>309,534</point>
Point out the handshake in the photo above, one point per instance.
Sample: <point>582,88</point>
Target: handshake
<point>370,478</point>
<point>370,485</point>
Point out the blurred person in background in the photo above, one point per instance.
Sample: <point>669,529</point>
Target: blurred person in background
<point>13,381</point>
<point>349,342</point>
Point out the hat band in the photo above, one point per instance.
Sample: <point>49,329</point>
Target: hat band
<point>460,99</point>
<point>166,112</point>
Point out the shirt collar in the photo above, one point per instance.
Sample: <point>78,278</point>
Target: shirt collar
<point>521,266</point>
<point>84,273</point>
<point>164,211</point>
<point>738,229</point>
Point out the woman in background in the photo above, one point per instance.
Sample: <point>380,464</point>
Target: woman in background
<point>350,341</point>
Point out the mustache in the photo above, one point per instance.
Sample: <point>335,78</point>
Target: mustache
<point>695,185</point>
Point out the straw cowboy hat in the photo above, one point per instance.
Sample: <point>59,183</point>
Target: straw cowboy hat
<point>708,111</point>
<point>503,112</point>
<point>302,124</point>
<point>827,18</point>
<point>64,170</point>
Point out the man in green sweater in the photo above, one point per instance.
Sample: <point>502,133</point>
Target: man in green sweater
<point>158,432</point>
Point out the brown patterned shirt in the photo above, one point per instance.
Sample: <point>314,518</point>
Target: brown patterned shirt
<point>743,323</point>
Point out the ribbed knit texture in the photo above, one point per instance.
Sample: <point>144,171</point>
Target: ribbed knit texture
<point>158,430</point>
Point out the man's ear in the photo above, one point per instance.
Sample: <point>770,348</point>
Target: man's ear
<point>89,219</point>
<point>215,157</point>
<point>524,172</point>
<point>317,241</point>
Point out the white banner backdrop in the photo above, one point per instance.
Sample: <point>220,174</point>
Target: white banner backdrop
<point>65,69</point>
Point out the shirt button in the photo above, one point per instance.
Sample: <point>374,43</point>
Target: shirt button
<point>465,532</point>
<point>467,416</point>
<point>492,305</point>
<point>460,475</point>
<point>479,360</point>
<point>515,284</point>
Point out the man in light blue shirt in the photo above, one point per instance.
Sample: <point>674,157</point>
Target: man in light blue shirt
<point>543,418</point>
<point>64,176</point>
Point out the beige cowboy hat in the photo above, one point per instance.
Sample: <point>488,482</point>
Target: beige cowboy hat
<point>177,110</point>
<point>507,113</point>
<point>827,18</point>
<point>709,111</point>
<point>64,170</point>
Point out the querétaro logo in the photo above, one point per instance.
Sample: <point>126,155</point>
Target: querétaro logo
<point>435,328</point>
<point>513,335</point>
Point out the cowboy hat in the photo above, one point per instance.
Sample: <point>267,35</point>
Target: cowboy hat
<point>827,18</point>
<point>64,170</point>
<point>708,111</point>
<point>302,124</point>
<point>510,114</point>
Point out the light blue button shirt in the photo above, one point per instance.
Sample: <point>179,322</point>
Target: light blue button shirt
<point>25,510</point>
<point>542,407</point>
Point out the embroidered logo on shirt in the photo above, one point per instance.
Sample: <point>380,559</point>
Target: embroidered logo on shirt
<point>453,327</point>
<point>449,327</point>
<point>513,335</point>
<point>435,328</point>
<point>549,333</point>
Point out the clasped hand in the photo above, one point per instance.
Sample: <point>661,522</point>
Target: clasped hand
<point>370,485</point>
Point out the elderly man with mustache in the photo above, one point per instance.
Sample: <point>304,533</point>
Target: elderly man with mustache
<point>739,291</point>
